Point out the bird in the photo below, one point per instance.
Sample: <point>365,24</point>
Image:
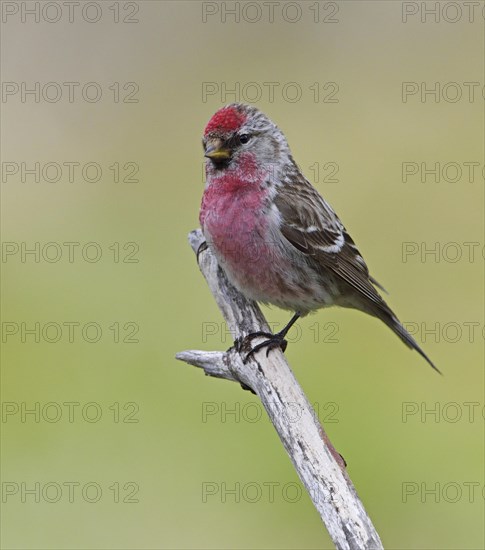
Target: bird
<point>275,237</point>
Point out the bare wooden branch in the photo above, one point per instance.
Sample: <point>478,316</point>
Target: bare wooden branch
<point>319,466</point>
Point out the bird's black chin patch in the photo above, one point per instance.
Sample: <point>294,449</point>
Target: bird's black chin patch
<point>220,164</point>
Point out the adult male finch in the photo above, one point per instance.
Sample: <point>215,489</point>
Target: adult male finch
<point>275,237</point>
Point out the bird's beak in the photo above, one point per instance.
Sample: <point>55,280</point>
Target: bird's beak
<point>215,150</point>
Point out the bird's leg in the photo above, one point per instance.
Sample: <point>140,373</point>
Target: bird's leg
<point>274,340</point>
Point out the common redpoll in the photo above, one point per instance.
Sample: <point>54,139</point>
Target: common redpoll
<point>276,238</point>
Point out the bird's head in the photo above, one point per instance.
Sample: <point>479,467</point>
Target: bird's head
<point>240,133</point>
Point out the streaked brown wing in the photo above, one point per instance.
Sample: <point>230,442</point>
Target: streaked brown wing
<point>312,227</point>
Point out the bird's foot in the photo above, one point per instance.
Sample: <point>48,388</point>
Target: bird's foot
<point>273,341</point>
<point>203,246</point>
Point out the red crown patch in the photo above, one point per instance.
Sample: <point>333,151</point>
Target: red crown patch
<point>225,120</point>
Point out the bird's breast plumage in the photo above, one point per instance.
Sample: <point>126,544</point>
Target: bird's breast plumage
<point>242,227</point>
<point>233,221</point>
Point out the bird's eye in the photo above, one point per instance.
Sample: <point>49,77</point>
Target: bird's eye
<point>244,138</point>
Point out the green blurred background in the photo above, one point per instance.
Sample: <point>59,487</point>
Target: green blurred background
<point>160,426</point>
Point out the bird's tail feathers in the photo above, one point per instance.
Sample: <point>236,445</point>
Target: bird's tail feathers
<point>377,284</point>
<point>386,315</point>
